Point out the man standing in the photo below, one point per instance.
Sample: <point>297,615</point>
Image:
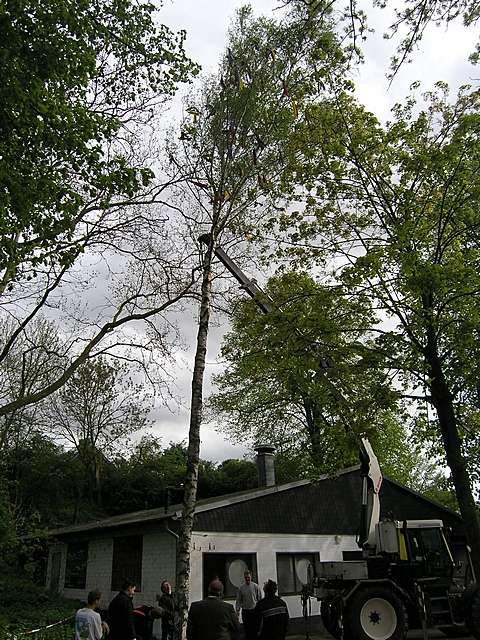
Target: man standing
<point>167,603</point>
<point>212,618</point>
<point>271,615</point>
<point>249,593</point>
<point>88,624</point>
<point>120,613</point>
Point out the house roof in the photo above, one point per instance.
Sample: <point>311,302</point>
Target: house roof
<point>329,505</point>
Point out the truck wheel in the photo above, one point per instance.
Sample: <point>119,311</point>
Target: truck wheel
<point>330,614</point>
<point>472,618</point>
<point>375,613</point>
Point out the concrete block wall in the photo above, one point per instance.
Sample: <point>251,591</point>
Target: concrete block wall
<point>158,563</point>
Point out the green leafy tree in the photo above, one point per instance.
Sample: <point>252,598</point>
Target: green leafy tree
<point>304,378</point>
<point>397,207</point>
<point>139,478</point>
<point>72,74</point>
<point>82,84</point>
<point>95,412</point>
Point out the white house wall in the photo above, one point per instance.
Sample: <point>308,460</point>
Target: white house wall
<point>266,546</point>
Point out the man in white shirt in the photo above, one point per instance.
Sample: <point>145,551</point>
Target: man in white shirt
<point>249,593</point>
<point>88,623</point>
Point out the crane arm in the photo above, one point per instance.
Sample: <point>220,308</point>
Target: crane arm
<point>251,287</point>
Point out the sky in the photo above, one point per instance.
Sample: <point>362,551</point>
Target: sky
<point>443,55</point>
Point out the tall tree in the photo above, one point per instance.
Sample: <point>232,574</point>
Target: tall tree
<point>304,377</point>
<point>81,85</point>
<point>236,155</point>
<point>97,409</point>
<point>397,207</point>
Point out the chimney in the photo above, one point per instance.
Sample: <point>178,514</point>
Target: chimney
<point>265,465</point>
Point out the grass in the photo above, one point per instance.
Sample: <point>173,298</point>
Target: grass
<point>25,606</point>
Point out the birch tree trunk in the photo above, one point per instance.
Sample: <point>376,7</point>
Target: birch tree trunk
<point>193,454</point>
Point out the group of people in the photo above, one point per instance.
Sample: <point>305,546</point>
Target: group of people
<point>124,622</point>
<point>264,616</point>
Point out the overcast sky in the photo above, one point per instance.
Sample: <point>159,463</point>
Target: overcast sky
<point>443,55</point>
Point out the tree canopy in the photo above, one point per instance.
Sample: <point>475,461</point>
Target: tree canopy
<point>73,73</point>
<point>305,376</point>
<point>396,207</point>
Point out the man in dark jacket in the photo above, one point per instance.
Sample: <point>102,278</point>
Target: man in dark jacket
<point>167,603</point>
<point>212,618</point>
<point>120,613</point>
<point>271,614</point>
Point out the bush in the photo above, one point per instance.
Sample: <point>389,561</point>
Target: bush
<point>24,605</point>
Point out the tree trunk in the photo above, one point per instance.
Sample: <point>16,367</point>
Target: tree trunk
<point>193,454</point>
<point>98,483</point>
<point>443,402</point>
<point>317,447</point>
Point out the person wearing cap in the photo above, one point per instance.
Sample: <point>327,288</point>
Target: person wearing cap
<point>249,593</point>
<point>212,618</point>
<point>271,614</point>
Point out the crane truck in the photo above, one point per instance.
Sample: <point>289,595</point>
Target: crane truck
<point>407,574</point>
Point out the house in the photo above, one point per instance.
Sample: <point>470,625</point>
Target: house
<point>276,531</point>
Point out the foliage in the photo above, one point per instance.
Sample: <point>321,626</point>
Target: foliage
<point>397,207</point>
<point>7,528</point>
<point>304,378</point>
<point>227,477</point>
<point>72,74</point>
<point>41,480</point>
<point>82,85</point>
<point>24,605</point>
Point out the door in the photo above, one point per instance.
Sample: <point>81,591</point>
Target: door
<point>55,573</point>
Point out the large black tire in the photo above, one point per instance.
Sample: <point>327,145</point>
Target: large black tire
<point>330,617</point>
<point>472,618</point>
<point>375,613</point>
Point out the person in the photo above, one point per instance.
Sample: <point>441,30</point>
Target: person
<point>120,613</point>
<point>271,615</point>
<point>167,603</point>
<point>88,623</point>
<point>143,618</point>
<point>212,618</point>
<point>248,594</point>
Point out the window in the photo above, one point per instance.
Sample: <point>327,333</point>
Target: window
<point>76,566</point>
<point>127,561</point>
<point>429,546</point>
<point>229,569</point>
<point>292,571</point>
